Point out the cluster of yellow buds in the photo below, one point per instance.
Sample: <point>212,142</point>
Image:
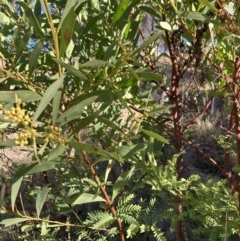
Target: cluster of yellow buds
<point>54,134</point>
<point>17,114</point>
<point>23,137</point>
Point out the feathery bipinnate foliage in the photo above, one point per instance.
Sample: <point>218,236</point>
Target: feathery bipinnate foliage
<point>77,80</point>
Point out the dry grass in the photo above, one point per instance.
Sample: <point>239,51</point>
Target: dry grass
<point>206,127</point>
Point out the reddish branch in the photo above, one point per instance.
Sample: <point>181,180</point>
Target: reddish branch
<point>169,130</point>
<point>176,111</point>
<point>227,155</point>
<point>176,114</point>
<point>96,178</point>
<point>108,200</point>
<point>235,109</point>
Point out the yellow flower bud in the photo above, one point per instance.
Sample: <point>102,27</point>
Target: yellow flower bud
<point>19,101</point>
<point>18,109</point>
<point>25,123</point>
<point>14,118</point>
<point>27,118</point>
<point>57,129</point>
<point>20,115</point>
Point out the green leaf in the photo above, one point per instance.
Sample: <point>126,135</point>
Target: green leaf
<point>86,121</point>
<point>32,19</point>
<point>74,111</point>
<point>14,191</point>
<point>8,143</point>
<point>95,4</point>
<point>68,8</point>
<point>120,10</point>
<point>150,76</point>
<point>155,136</point>
<point>95,64</point>
<point>96,150</point>
<point>90,23</point>
<point>126,30</point>
<point>36,168</point>
<point>112,51</point>
<point>160,109</point>
<point>151,11</point>
<point>7,125</point>
<point>108,169</point>
<point>109,123</point>
<point>37,8</point>
<point>2,194</point>
<point>84,198</point>
<point>150,151</point>
<point>21,45</point>
<point>102,96</point>
<point>209,5</point>
<point>147,93</point>
<point>70,49</point>
<point>71,69</point>
<point>56,152</point>
<point>42,149</point>
<point>216,93</point>
<point>193,15</point>
<point>165,25</point>
<point>129,151</point>
<point>41,197</point>
<point>67,30</point>
<point>105,220</point>
<point>24,95</point>
<point>56,105</point>
<point>147,42</point>
<point>12,221</point>
<point>4,19</point>
<point>9,5</point>
<point>35,56</point>
<point>132,81</point>
<point>122,180</point>
<point>47,97</point>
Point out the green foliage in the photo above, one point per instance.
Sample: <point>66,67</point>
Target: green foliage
<point>77,85</point>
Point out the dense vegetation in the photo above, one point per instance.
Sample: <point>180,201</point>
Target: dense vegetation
<point>129,113</point>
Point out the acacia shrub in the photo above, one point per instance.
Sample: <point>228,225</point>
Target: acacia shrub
<point>75,66</point>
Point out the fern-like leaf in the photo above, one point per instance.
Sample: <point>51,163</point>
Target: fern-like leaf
<point>99,219</point>
<point>158,234</point>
